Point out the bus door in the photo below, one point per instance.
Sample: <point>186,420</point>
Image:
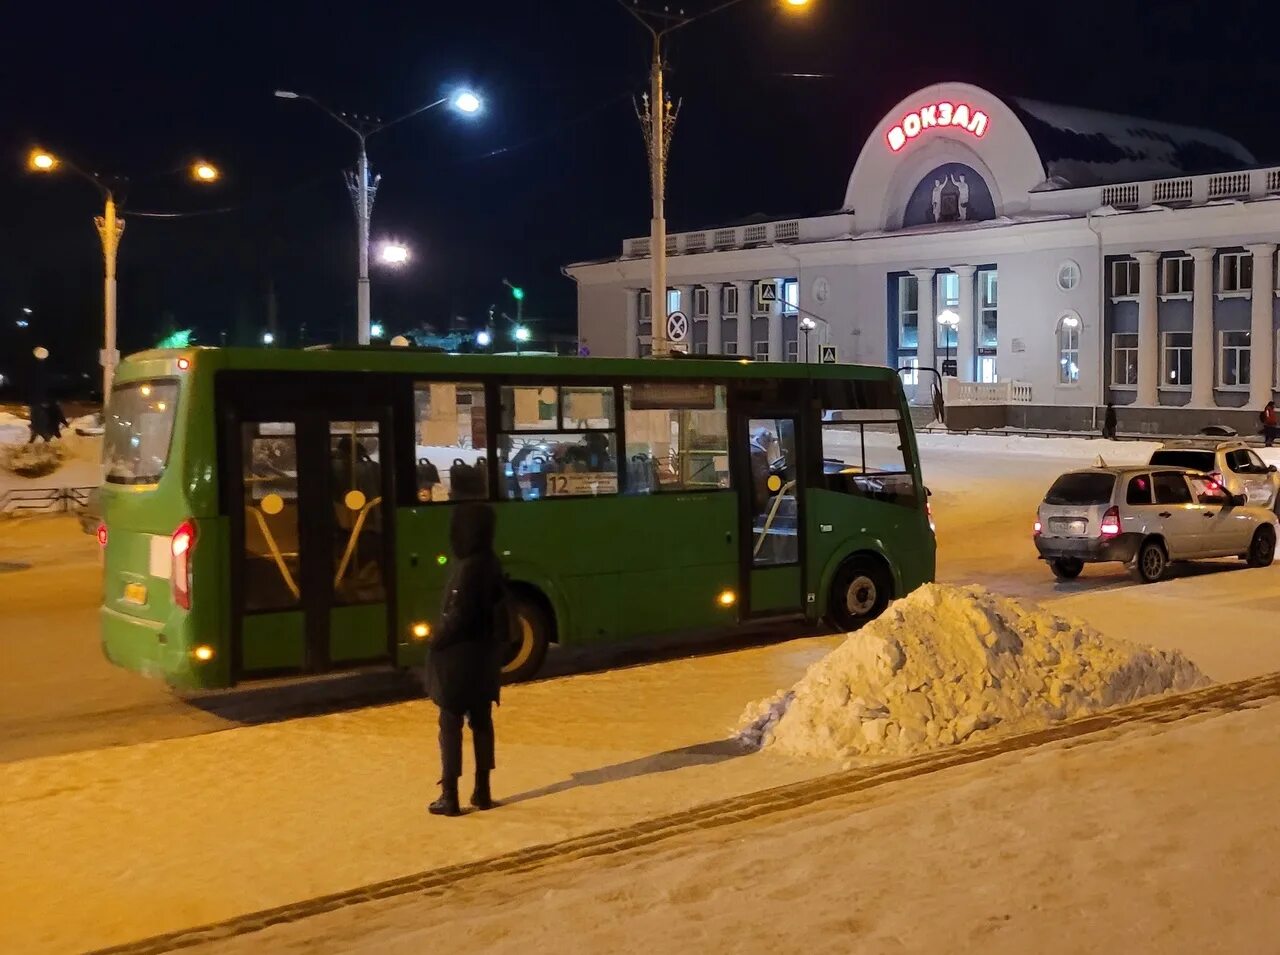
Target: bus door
<point>311,534</point>
<point>771,513</point>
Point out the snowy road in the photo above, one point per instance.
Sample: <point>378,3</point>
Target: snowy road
<point>181,825</point>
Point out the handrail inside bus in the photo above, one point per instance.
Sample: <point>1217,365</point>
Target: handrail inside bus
<point>275,553</point>
<point>773,512</point>
<point>356,528</point>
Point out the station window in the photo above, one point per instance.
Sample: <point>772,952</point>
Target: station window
<point>790,297</point>
<point>1234,352</point>
<point>673,300</point>
<point>761,350</point>
<point>948,301</point>
<point>908,311</point>
<point>1235,272</point>
<point>729,300</point>
<point>677,437</point>
<point>1069,349</point>
<point>1177,275</point>
<point>988,304</point>
<point>451,450</point>
<point>1124,360</point>
<point>793,350</point>
<point>557,441</point>
<point>700,302</point>
<point>1125,278</point>
<point>1175,363</point>
<point>646,305</point>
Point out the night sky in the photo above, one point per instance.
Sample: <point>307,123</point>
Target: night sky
<point>552,172</point>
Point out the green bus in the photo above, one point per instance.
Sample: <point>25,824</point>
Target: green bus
<point>271,512</point>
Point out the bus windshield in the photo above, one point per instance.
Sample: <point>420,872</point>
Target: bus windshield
<point>138,429</point>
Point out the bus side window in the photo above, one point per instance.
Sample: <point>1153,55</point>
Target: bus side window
<point>864,453</point>
<point>557,442</point>
<point>451,454</point>
<point>684,447</point>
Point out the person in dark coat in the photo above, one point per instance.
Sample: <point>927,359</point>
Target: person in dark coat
<point>464,660</point>
<point>1109,422</point>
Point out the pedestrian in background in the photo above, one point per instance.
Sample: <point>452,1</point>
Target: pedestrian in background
<point>1270,429</point>
<point>1109,422</point>
<point>464,659</point>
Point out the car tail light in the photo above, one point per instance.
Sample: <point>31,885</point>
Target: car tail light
<point>1035,528</point>
<point>1110,522</point>
<point>1216,478</point>
<point>102,534</point>
<point>183,542</point>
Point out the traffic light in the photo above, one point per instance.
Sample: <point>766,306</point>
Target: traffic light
<point>517,293</point>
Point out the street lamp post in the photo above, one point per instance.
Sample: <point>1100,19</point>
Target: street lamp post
<point>807,325</point>
<point>948,320</point>
<point>657,115</point>
<point>365,189</point>
<point>110,228</point>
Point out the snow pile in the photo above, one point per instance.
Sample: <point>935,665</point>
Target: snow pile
<point>13,429</point>
<point>949,664</point>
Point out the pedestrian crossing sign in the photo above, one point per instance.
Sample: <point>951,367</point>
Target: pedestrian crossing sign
<point>827,355</point>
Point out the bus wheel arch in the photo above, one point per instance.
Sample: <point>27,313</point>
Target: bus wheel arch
<point>860,589</point>
<point>534,626</point>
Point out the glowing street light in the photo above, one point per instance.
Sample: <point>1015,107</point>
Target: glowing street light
<point>807,325</point>
<point>483,338</point>
<point>466,101</point>
<point>393,253</point>
<point>205,172</point>
<point>268,338</point>
<point>40,161</point>
<point>363,185</point>
<point>376,330</point>
<point>948,319</point>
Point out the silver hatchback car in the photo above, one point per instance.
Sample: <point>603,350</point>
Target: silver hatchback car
<point>1147,517</point>
<point>1233,464</point>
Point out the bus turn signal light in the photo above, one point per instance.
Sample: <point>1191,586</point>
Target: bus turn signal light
<point>420,631</point>
<point>203,653</point>
<point>727,598</point>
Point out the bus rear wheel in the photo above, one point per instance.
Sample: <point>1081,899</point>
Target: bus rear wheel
<point>859,593</point>
<point>531,632</point>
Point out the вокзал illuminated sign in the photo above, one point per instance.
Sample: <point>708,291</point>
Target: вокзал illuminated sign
<point>950,115</point>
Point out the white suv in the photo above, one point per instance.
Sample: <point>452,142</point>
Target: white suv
<point>1146,517</point>
<point>1233,464</point>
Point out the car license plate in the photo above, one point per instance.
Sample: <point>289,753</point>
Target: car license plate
<point>135,593</point>
<point>1068,526</point>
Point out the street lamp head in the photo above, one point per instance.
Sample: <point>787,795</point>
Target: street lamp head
<point>376,330</point>
<point>202,171</point>
<point>484,339</point>
<point>808,324</point>
<point>268,338</point>
<point>39,160</point>
<point>465,101</point>
<point>948,318</point>
<point>393,253</point>
<point>286,94</point>
<point>796,4</point>
<point>40,352</point>
<point>522,333</point>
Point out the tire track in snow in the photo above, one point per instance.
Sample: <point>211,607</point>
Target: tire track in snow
<point>1217,699</point>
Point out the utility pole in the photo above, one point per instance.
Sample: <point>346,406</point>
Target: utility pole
<point>658,119</point>
<point>110,229</point>
<point>363,191</point>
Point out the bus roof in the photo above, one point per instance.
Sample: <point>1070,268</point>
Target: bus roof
<point>156,362</point>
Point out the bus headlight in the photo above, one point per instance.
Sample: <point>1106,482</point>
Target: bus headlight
<point>203,653</point>
<point>420,630</point>
<point>727,598</point>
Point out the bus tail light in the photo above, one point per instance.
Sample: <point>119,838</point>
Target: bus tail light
<point>1110,526</point>
<point>184,540</point>
<point>102,534</point>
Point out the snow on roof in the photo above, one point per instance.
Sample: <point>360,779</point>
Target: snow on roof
<point>1085,147</point>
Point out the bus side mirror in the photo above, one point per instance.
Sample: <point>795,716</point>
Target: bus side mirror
<point>1271,469</point>
<point>1239,500</point>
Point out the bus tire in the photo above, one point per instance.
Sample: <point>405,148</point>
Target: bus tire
<point>859,592</point>
<point>533,630</point>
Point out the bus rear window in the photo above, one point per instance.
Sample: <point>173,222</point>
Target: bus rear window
<point>139,426</point>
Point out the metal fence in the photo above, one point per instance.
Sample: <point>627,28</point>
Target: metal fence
<point>44,500</point>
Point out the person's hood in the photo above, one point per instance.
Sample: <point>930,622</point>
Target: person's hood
<point>471,531</point>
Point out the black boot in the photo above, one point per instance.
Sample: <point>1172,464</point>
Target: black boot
<point>447,804</point>
<point>481,798</point>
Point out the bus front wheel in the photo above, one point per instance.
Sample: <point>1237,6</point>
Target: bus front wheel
<point>530,636</point>
<point>859,593</point>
